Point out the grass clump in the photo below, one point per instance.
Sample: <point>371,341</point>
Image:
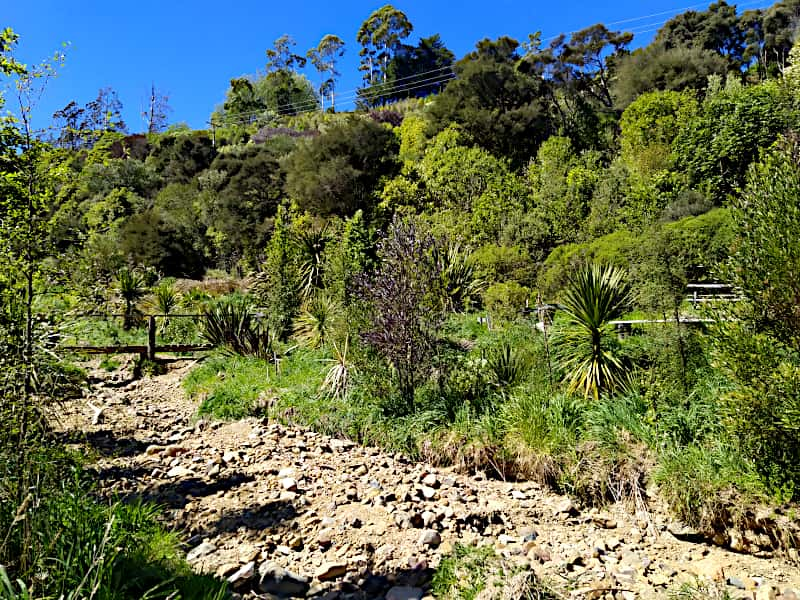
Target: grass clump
<point>469,572</point>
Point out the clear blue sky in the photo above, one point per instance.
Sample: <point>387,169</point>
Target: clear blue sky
<point>191,50</point>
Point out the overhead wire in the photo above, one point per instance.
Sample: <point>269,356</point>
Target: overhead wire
<point>389,88</point>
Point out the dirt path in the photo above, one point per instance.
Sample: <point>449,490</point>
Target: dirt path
<point>288,512</point>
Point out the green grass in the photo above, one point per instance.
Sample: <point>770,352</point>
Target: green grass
<point>70,542</point>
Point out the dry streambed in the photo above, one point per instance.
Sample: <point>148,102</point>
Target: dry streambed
<point>287,512</point>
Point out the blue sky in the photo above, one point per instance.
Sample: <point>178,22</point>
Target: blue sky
<point>191,50</point>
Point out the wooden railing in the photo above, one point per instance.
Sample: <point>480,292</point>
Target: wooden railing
<point>145,351</point>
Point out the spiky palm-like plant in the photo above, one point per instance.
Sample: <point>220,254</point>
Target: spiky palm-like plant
<point>337,380</point>
<point>588,352</point>
<point>460,284</point>
<point>131,288</point>
<point>164,300</point>
<point>310,245</point>
<point>318,319</point>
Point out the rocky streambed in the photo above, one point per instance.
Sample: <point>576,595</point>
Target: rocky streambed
<point>287,512</point>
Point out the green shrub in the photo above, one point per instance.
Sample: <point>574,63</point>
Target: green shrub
<point>232,326</point>
<point>505,301</point>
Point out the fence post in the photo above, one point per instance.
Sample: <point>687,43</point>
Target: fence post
<point>151,337</point>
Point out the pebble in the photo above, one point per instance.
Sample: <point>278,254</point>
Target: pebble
<point>203,549</point>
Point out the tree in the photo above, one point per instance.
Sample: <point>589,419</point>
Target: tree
<point>338,171</point>
<point>324,57</point>
<point>281,57</point>
<point>406,307</point>
<point>716,147</point>
<point>155,114</point>
<point>717,29</point>
<point>587,60</point>
<point>103,114</point>
<point>69,120</point>
<point>380,35</point>
<point>413,72</point>
<point>656,68</point>
<point>498,106</point>
<point>588,353</point>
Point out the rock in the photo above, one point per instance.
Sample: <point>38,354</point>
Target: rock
<point>428,492</point>
<point>276,580</point>
<point>430,480</point>
<point>203,549</point>
<point>766,592</point>
<point>428,518</point>
<point>179,471</point>
<point>605,521</point>
<point>518,495</point>
<point>229,456</point>
<point>565,507</point>
<point>244,574</point>
<point>711,568</point>
<point>658,579</point>
<point>684,532</point>
<point>325,537</point>
<point>289,484</point>
<point>404,592</point>
<point>429,537</point>
<point>330,570</point>
<point>152,449</point>
<point>173,451</point>
<point>736,582</point>
<point>286,472</point>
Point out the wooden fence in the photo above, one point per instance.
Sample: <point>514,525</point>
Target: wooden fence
<point>145,351</point>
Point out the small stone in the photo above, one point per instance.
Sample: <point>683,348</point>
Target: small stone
<point>179,471</point>
<point>518,495</point>
<point>203,549</point>
<point>229,456</point>
<point>244,574</point>
<point>737,583</point>
<point>286,472</point>
<point>289,484</point>
<point>430,480</point>
<point>330,570</point>
<point>325,537</point>
<point>428,492</point>
<point>173,451</point>
<point>429,537</point>
<point>658,579</point>
<point>274,579</point>
<point>766,592</point>
<point>151,450</point>
<point>404,592</point>
<point>565,507</point>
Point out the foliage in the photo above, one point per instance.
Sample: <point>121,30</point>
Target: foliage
<point>588,353</point>
<point>506,301</point>
<point>131,287</point>
<point>319,320</point>
<point>405,304</point>
<point>338,171</point>
<point>232,326</point>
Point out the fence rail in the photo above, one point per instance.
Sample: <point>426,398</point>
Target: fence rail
<point>145,351</point>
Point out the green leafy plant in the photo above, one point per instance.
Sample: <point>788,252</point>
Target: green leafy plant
<point>131,288</point>
<point>164,300</point>
<point>232,326</point>
<point>338,378</point>
<point>507,364</point>
<point>588,352</point>
<point>319,318</point>
<point>310,246</point>
<point>460,284</point>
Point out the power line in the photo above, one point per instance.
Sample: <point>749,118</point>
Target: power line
<point>350,96</point>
